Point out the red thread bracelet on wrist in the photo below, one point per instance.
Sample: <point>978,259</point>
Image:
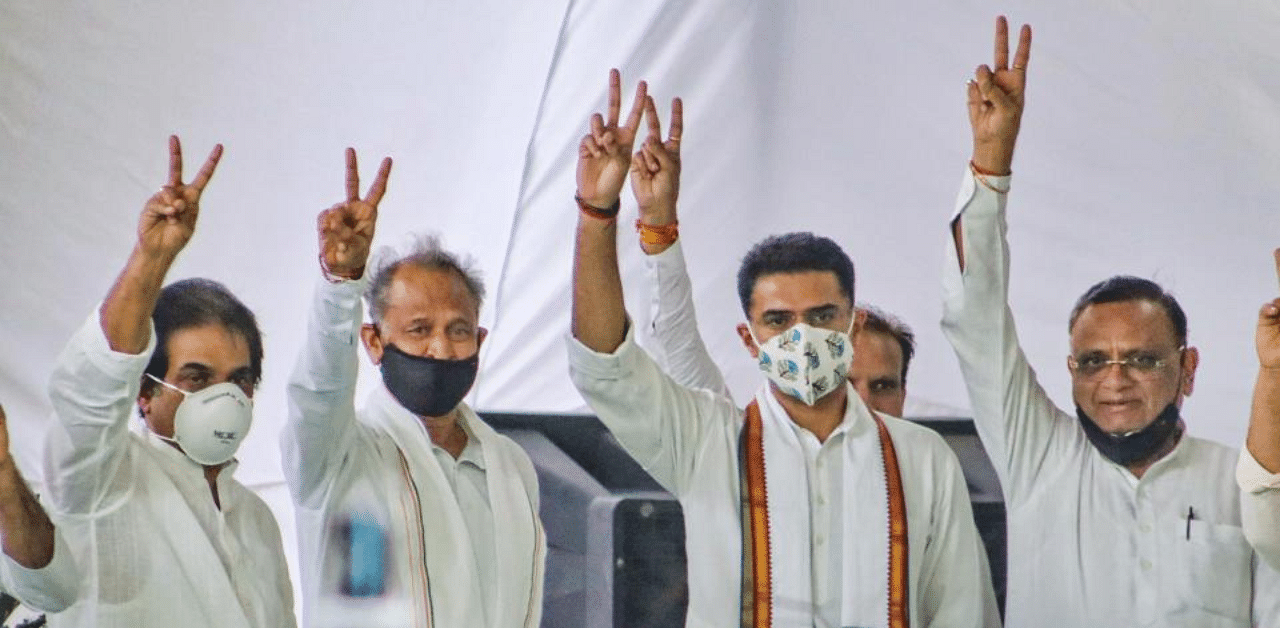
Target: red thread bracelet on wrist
<point>599,213</point>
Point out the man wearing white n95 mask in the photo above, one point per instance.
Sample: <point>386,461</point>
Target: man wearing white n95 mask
<point>417,513</point>
<point>162,532</point>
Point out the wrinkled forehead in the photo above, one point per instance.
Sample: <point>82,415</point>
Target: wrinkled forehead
<point>1123,325</point>
<point>437,293</point>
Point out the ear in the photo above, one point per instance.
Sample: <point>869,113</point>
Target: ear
<point>372,343</point>
<point>145,392</point>
<point>859,319</point>
<point>481,334</point>
<point>1190,360</point>
<point>744,333</point>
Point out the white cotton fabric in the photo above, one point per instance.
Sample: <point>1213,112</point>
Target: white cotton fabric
<point>465,545</point>
<point>151,546</point>
<point>1091,545</point>
<point>1260,507</point>
<point>688,440</point>
<point>49,589</point>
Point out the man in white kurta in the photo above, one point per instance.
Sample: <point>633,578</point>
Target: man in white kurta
<point>36,567</point>
<point>152,547</point>
<point>159,539</point>
<point>1091,543</point>
<point>688,440</point>
<point>459,543</point>
<point>1258,471</point>
<point>824,474</point>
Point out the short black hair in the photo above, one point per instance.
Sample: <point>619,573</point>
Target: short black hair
<point>197,302</point>
<point>885,323</point>
<point>793,253</point>
<point>1129,288</point>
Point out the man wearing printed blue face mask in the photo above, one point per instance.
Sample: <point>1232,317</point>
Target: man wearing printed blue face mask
<point>162,533</point>
<point>796,511</point>
<point>417,512</point>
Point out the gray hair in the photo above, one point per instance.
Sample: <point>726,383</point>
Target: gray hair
<point>423,251</point>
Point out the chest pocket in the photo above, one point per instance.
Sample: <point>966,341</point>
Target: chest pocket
<point>1212,580</point>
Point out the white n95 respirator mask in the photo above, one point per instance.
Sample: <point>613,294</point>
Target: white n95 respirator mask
<point>806,362</point>
<point>210,424</point>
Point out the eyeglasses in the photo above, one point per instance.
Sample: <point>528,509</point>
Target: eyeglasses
<point>1137,365</point>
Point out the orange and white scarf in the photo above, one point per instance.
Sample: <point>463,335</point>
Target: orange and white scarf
<point>772,470</point>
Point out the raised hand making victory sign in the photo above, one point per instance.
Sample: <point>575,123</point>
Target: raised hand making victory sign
<point>996,98</point>
<point>346,229</point>
<point>655,178</point>
<point>604,155</point>
<point>169,216</point>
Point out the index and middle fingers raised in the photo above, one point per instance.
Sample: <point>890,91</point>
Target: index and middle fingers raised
<point>175,166</point>
<point>1023,53</point>
<point>615,102</point>
<point>376,190</point>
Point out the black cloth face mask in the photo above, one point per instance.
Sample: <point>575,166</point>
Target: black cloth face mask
<point>1127,449</point>
<point>427,386</point>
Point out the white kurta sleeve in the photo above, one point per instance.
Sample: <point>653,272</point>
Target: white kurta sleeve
<point>49,589</point>
<point>1260,507</point>
<point>1013,415</point>
<point>957,590</point>
<point>659,422</point>
<point>322,417</point>
<point>94,391</point>
<point>672,333</point>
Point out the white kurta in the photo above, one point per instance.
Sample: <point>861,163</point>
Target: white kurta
<point>48,589</point>
<point>151,546</point>
<point>464,545</point>
<point>1090,545</point>
<point>688,440</point>
<point>1260,507</point>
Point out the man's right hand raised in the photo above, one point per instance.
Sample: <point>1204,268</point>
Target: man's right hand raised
<point>169,216</point>
<point>604,154</point>
<point>346,229</point>
<point>996,98</point>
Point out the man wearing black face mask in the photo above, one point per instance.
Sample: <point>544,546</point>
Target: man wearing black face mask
<point>418,503</point>
<point>1117,517</point>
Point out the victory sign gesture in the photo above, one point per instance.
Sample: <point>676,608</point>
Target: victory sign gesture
<point>996,98</point>
<point>169,216</point>
<point>655,170</point>
<point>346,229</point>
<point>604,155</point>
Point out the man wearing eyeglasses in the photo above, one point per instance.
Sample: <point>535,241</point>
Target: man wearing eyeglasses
<point>1117,517</point>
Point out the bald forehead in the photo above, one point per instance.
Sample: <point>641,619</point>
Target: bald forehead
<point>415,285</point>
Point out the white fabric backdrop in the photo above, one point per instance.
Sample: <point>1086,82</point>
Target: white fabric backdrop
<point>1151,146</point>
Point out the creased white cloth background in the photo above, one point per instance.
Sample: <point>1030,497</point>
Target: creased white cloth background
<point>1151,146</point>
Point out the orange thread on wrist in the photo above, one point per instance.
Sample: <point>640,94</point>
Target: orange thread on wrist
<point>599,213</point>
<point>981,175</point>
<point>658,235</point>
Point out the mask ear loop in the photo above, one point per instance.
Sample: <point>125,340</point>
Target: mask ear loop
<point>143,420</point>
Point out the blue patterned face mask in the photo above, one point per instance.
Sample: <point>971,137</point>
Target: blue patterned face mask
<point>806,362</point>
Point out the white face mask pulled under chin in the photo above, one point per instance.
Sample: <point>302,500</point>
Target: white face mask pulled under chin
<point>806,362</point>
<point>210,424</point>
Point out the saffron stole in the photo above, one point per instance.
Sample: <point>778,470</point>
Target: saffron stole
<point>757,588</point>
